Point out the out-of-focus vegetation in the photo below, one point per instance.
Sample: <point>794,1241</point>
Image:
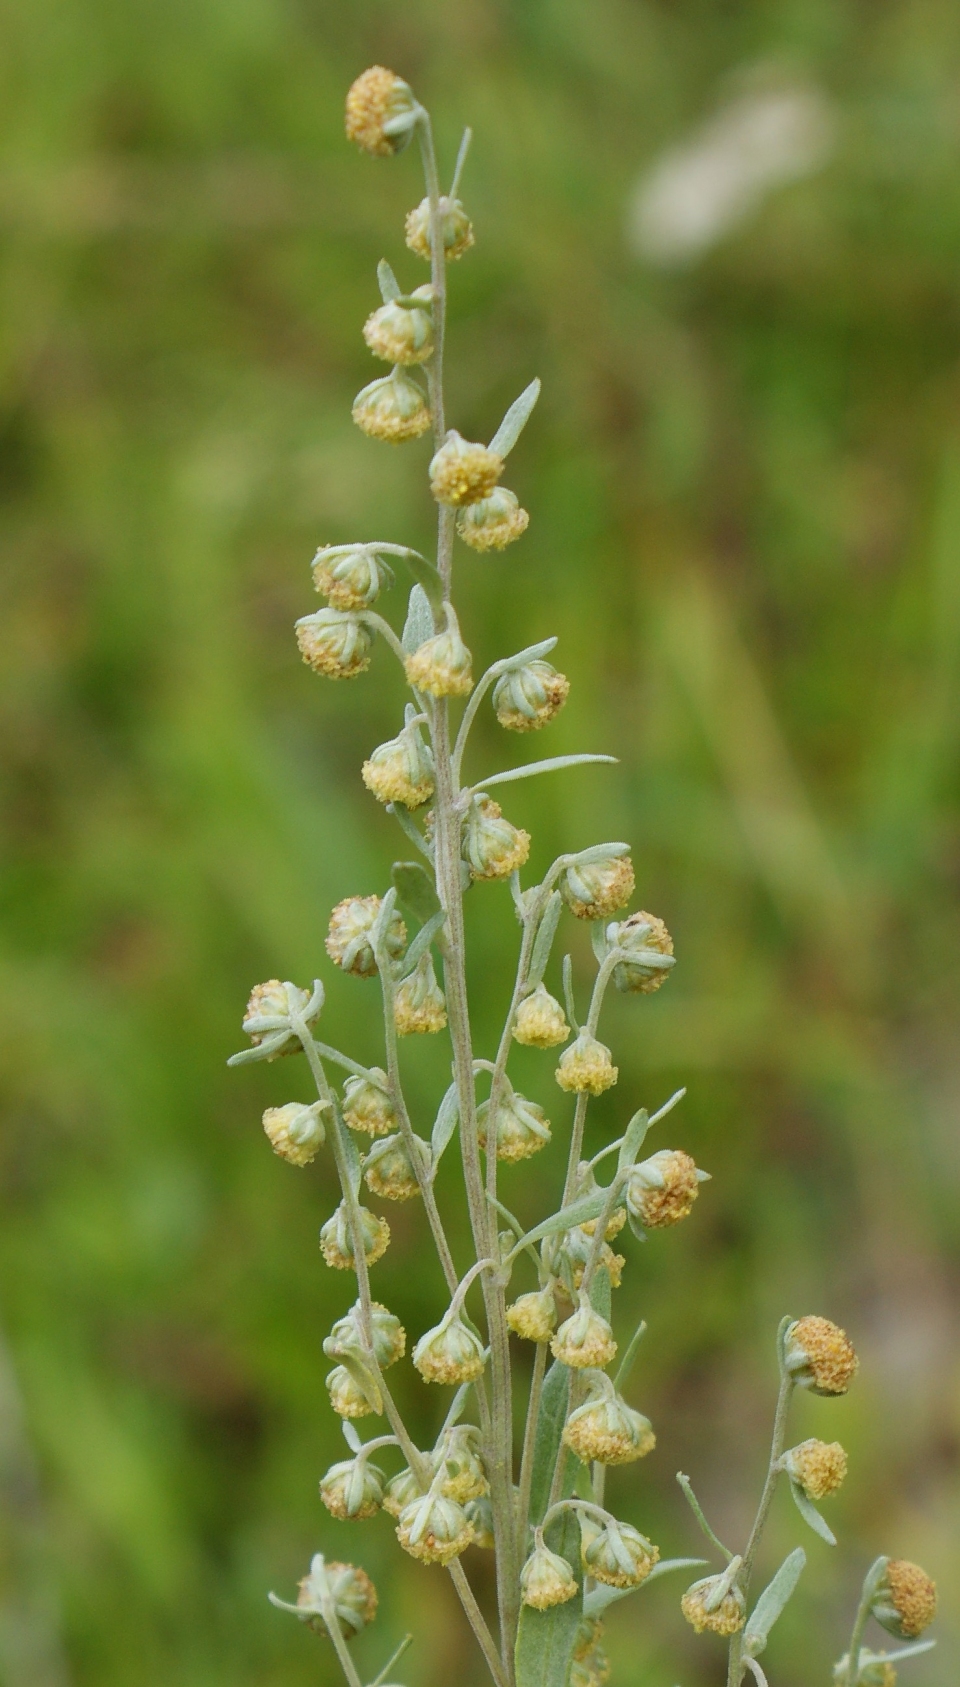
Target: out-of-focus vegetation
<point>744,479</point>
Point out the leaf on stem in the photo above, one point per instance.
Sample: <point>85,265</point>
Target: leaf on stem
<point>599,1598</point>
<point>633,1139</point>
<point>418,626</point>
<point>421,943</point>
<point>546,932</point>
<point>429,581</point>
<point>578,1212</point>
<point>515,420</point>
<point>553,764</point>
<point>811,1515</point>
<point>772,1601</point>
<point>350,1155</point>
<point>448,1117</point>
<point>390,288</point>
<point>415,889</point>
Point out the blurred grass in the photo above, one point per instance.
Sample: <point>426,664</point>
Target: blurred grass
<point>744,481</point>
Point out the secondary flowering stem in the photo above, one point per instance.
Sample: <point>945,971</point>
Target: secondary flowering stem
<point>735,1664</point>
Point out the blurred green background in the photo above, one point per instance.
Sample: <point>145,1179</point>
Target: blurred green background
<point>744,479</point>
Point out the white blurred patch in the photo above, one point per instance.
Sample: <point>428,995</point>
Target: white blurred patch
<point>699,191</point>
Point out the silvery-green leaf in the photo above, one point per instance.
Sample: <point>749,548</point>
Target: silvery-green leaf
<point>448,1116</point>
<point>598,940</point>
<point>772,1600</point>
<point>811,1515</point>
<point>599,1598</point>
<point>387,282</point>
<point>408,825</point>
<point>633,1139</point>
<point>532,653</point>
<point>578,1212</point>
<point>545,1639</point>
<point>554,1400</point>
<point>911,1651</point>
<point>421,943</point>
<point>364,1378</point>
<point>599,852</point>
<point>418,626</point>
<point>515,420</point>
<point>350,1154</point>
<point>636,1228</point>
<point>429,581</point>
<point>553,764</point>
<point>350,1435</point>
<point>415,889</point>
<point>543,943</point>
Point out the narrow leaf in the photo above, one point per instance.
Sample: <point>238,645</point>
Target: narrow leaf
<point>515,420</point>
<point>598,852</point>
<point>421,943</point>
<point>554,1400</point>
<point>427,579</point>
<point>532,653</point>
<point>598,940</point>
<point>387,282</point>
<point>578,1212</point>
<point>407,824</point>
<point>772,1600</point>
<point>448,1117</point>
<point>350,1435</point>
<point>418,626</point>
<point>546,932</point>
<point>350,1155</point>
<point>633,1139</point>
<point>415,889</point>
<point>553,764</point>
<point>811,1515</point>
<point>599,1598</point>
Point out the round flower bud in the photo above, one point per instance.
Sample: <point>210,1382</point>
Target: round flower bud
<point>876,1670</point>
<point>350,576</point>
<point>905,1602</point>
<point>434,1529</point>
<point>462,472</point>
<point>351,1592</point>
<point>441,665</point>
<point>346,1396</point>
<point>605,1430</point>
<point>585,1340</point>
<point>818,1467</point>
<point>387,1170</point>
<point>707,1605</point>
<point>387,1332</point>
<point>401,770</point>
<point>572,1251</point>
<point>455,225</point>
<point>418,1006</point>
<point>494,522</point>
<point>616,1553</point>
<point>820,1356</point>
<point>479,1513</point>
<point>464,1477</point>
<point>594,890</point>
<point>661,1191</point>
<point>367,1106</point>
<point>401,334</point>
<point>336,1242</point>
<point>522,1127</point>
<point>296,1132</point>
<point>590,1666</point>
<point>650,949</point>
<point>546,1579</point>
<point>526,698</point>
<point>401,1490</point>
<point>586,1065</point>
<point>539,1022</point>
<point>492,847</point>
<point>393,408</point>
<point>353,1488</point>
<point>349,940</point>
<point>381,112</point>
<point>533,1316</point>
<point>269,1011</point>
<point>334,643</point>
<point>450,1352</point>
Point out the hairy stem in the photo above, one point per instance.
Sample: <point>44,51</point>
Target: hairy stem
<point>735,1664</point>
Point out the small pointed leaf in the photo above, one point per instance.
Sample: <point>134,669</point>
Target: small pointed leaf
<point>515,420</point>
<point>428,580</point>
<point>415,889</point>
<point>543,943</point>
<point>811,1515</point>
<point>418,626</point>
<point>421,943</point>
<point>633,1139</point>
<point>387,282</point>
<point>448,1117</point>
<point>771,1603</point>
<point>599,1598</point>
<point>578,1212</point>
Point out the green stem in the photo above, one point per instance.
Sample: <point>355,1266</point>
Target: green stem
<point>735,1660</point>
<point>332,1624</point>
<point>529,1445</point>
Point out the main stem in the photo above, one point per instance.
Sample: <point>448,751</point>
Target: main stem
<point>735,1661</point>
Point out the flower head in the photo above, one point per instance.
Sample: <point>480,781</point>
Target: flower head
<point>616,1553</point>
<point>818,1467</point>
<point>388,1172</point>
<point>350,576</point>
<point>533,1316</point>
<point>480,1515</point>
<point>296,1132</point>
<point>594,890</point>
<point>381,112</point>
<point>350,937</point>
<point>269,1015</point>
<point>585,1341</point>
<point>876,1670</point>
<point>353,1488</point>
<point>661,1191</point>
<point>493,848</point>
<point>526,698</point>
<point>493,522</point>
<point>344,1588</point>
<point>392,408</point>
<point>418,1006</point>
<point>539,1022</point>
<point>586,1065</point>
<point>401,334</point>
<point>441,666</point>
<point>434,1529</point>
<point>649,949</point>
<point>401,770</point>
<point>387,1333</point>
<point>333,642</point>
<point>455,225</point>
<point>820,1356</point>
<point>462,472</point>
<point>522,1127</point>
<point>450,1352</point>
<point>336,1240</point>
<point>347,1398</point>
<point>905,1602</point>
<point>590,1666</point>
<point>458,1458</point>
<point>401,1491</point>
<point>367,1106</point>
<point>714,1603</point>
<point>605,1430</point>
<point>546,1579</point>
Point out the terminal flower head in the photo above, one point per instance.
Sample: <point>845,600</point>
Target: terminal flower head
<point>820,1356</point>
<point>381,112</point>
<point>661,1190</point>
<point>905,1602</point>
<point>347,1590</point>
<point>269,1017</point>
<point>818,1467</point>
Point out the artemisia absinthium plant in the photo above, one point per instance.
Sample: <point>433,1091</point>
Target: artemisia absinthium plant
<point>534,1495</point>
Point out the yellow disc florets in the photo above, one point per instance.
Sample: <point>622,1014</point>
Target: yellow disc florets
<point>380,112</point>
<point>493,522</point>
<point>539,1022</point>
<point>295,1132</point>
<point>586,1065</point>
<point>820,1356</point>
<point>661,1191</point>
<point>462,472</point>
<point>818,1467</point>
<point>906,1600</point>
<point>706,1606</point>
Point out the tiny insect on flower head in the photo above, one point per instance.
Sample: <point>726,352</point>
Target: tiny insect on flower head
<point>526,699</point>
<point>605,1430</point>
<point>295,1132</point>
<point>539,1021</point>
<point>649,950</point>
<point>401,1491</point>
<point>493,522</point>
<point>434,1529</point>
<point>392,408</point>
<point>350,937</point>
<point>350,576</point>
<point>381,112</point>
<point>458,1463</point>
<point>336,1239</point>
<point>616,1553</point>
<point>462,472</point>
<point>269,1015</point>
<point>401,770</point>
<point>442,665</point>
<point>905,1602</point>
<point>450,1353</point>
<point>596,889</point>
<point>402,334</point>
<point>387,1333</point>
<point>456,229</point>
<point>334,642</point>
<point>585,1341</point>
<point>347,1397</point>
<point>479,1513</point>
<point>661,1190</point>
<point>419,1008</point>
<point>533,1316</point>
<point>820,1356</point>
<point>387,1169</point>
<point>546,1579</point>
<point>522,1127</point>
<point>367,1106</point>
<point>876,1670</point>
<point>818,1467</point>
<point>493,848</point>
<point>353,1488</point>
<point>714,1604</point>
<point>586,1065</point>
<point>349,1590</point>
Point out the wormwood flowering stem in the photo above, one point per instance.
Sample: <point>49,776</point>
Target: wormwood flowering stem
<point>735,1663</point>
